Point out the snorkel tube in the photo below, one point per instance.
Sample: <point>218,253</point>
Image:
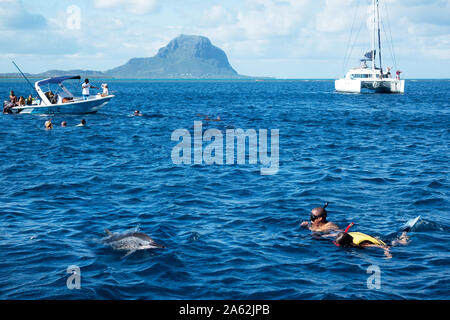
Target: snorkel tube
<point>349,226</point>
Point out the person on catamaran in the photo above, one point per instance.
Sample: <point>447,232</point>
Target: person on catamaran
<point>389,72</point>
<point>398,75</point>
<point>86,86</point>
<point>319,222</point>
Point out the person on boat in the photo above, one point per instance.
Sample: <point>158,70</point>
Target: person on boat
<point>51,97</point>
<point>21,101</point>
<point>362,240</point>
<point>398,75</point>
<point>48,124</point>
<point>13,98</point>
<point>29,100</point>
<point>105,90</point>
<point>82,123</point>
<point>7,105</point>
<point>64,124</point>
<point>388,72</point>
<point>86,86</point>
<point>319,220</point>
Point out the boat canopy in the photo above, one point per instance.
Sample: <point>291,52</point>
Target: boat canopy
<point>56,80</point>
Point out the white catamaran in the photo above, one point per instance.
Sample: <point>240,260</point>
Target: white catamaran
<point>371,77</point>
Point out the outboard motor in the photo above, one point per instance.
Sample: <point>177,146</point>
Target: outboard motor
<point>7,107</point>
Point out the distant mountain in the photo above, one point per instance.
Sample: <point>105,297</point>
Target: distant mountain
<point>185,56</point>
<point>56,73</point>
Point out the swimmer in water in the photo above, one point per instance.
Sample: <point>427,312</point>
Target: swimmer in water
<point>82,123</point>
<point>206,117</point>
<point>137,113</point>
<point>48,124</point>
<point>319,222</point>
<point>64,124</point>
<point>361,240</point>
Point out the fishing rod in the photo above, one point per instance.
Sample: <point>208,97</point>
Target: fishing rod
<point>24,76</point>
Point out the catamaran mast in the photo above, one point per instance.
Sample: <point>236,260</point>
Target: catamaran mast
<point>373,35</point>
<point>379,33</point>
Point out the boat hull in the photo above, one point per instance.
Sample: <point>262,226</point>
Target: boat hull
<point>378,86</point>
<point>77,107</point>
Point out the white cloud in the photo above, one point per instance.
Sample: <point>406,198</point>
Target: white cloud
<point>132,6</point>
<point>13,15</point>
<point>336,16</point>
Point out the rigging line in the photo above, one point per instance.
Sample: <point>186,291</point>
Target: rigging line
<point>390,44</point>
<point>346,58</point>
<point>356,37</point>
<point>390,34</point>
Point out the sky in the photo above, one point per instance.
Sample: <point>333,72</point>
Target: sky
<point>273,38</point>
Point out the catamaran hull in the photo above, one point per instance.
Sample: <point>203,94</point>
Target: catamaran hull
<point>80,107</point>
<point>378,86</point>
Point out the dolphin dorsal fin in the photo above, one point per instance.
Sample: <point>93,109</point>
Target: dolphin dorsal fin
<point>108,232</point>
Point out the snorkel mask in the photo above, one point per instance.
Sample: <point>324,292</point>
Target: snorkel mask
<point>323,214</point>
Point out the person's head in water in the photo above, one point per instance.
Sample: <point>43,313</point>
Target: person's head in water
<point>48,124</point>
<point>64,124</point>
<point>344,240</point>
<point>83,122</point>
<point>319,215</point>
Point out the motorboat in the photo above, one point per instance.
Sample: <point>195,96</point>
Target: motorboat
<point>63,102</point>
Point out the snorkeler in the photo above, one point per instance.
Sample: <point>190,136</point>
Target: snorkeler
<point>362,240</point>
<point>319,220</point>
<point>48,124</point>
<point>82,123</point>
<point>207,118</point>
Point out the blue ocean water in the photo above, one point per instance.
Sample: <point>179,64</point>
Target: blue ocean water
<point>230,232</point>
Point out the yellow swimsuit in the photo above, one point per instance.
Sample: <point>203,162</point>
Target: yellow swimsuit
<point>359,237</point>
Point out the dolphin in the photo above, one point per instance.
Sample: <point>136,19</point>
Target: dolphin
<point>130,241</point>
